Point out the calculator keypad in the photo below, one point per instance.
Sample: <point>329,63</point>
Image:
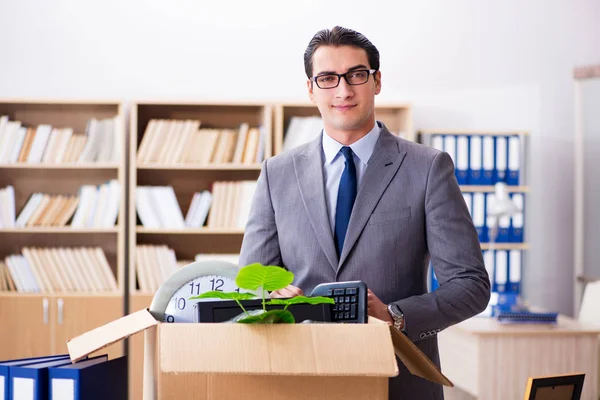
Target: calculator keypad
<point>346,303</point>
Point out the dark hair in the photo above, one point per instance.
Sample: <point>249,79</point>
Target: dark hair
<point>339,36</point>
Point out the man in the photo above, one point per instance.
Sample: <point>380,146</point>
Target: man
<point>358,203</point>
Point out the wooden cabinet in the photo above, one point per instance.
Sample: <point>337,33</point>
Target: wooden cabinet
<point>25,329</point>
<point>74,315</point>
<point>40,325</point>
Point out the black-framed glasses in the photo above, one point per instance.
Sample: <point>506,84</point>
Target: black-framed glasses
<point>356,77</point>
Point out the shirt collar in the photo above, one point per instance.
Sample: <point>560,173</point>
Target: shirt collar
<point>363,148</point>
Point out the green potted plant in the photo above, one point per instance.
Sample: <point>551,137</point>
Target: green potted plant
<point>267,278</point>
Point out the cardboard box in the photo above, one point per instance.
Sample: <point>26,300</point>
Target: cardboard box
<point>295,361</point>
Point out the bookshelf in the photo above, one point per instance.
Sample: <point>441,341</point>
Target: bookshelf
<point>496,159</point>
<point>39,323</point>
<point>397,118</point>
<point>186,178</point>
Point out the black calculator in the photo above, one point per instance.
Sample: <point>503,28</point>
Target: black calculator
<point>350,300</point>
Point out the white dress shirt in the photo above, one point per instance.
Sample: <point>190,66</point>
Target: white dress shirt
<point>334,165</point>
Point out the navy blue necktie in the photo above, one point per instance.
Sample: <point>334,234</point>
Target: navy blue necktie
<point>345,199</point>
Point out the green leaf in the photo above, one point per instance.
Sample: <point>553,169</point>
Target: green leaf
<point>215,294</point>
<point>268,317</point>
<point>302,300</point>
<point>270,278</point>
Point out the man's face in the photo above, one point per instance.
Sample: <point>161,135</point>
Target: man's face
<point>345,107</point>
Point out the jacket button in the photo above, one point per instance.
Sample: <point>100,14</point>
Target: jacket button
<point>422,335</point>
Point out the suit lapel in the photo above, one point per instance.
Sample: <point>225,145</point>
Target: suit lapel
<point>382,167</point>
<point>308,166</point>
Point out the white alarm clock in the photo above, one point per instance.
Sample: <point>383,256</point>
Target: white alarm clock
<point>172,303</point>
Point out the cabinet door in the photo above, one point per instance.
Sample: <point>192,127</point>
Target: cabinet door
<point>75,315</point>
<point>25,326</point>
<point>136,349</point>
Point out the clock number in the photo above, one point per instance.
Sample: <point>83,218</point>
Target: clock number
<point>197,285</point>
<point>237,290</point>
<point>170,318</point>
<point>216,284</point>
<point>180,303</point>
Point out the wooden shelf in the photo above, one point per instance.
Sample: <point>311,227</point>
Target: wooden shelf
<point>506,246</point>
<point>61,230</point>
<point>188,231</point>
<point>464,132</point>
<point>60,166</point>
<point>211,167</point>
<point>510,189</point>
<point>66,179</point>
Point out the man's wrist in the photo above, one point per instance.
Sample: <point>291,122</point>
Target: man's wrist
<point>397,316</point>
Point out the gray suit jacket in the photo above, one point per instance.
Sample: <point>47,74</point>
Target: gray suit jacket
<point>409,208</point>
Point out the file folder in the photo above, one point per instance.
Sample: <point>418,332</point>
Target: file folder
<point>514,268</point>
<point>87,380</point>
<point>488,160</point>
<point>527,317</point>
<point>501,159</point>
<point>514,160</point>
<point>489,262</point>
<point>5,386</point>
<point>501,271</point>
<point>468,197</point>
<point>479,215</point>
<point>437,142</point>
<point>503,229</point>
<point>30,382</point>
<point>475,160</point>
<point>462,160</point>
<point>516,234</point>
<point>490,220</point>
<point>450,148</point>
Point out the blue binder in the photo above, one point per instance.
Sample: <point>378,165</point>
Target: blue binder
<point>517,221</point>
<point>5,386</point>
<point>462,159</point>
<point>501,159</point>
<point>475,160</point>
<point>527,317</point>
<point>94,379</point>
<point>514,160</point>
<point>514,271</point>
<point>489,160</point>
<point>479,216</point>
<point>30,382</point>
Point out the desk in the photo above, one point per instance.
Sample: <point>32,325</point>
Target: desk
<point>491,361</point>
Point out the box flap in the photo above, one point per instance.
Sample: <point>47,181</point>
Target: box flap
<point>297,349</point>
<point>412,357</point>
<point>105,335</point>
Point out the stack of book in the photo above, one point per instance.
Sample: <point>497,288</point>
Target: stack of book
<point>227,207</point>
<point>93,207</point>
<point>180,142</point>
<point>45,144</point>
<point>154,264</point>
<point>57,269</point>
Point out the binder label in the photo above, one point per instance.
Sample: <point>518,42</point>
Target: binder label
<point>22,388</point>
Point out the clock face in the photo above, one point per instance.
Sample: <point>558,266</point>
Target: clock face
<point>181,308</point>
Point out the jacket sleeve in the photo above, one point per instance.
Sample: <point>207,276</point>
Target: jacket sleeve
<point>260,243</point>
<point>453,245</point>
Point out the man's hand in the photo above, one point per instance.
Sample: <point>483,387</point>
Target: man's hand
<point>289,291</point>
<point>377,309</point>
